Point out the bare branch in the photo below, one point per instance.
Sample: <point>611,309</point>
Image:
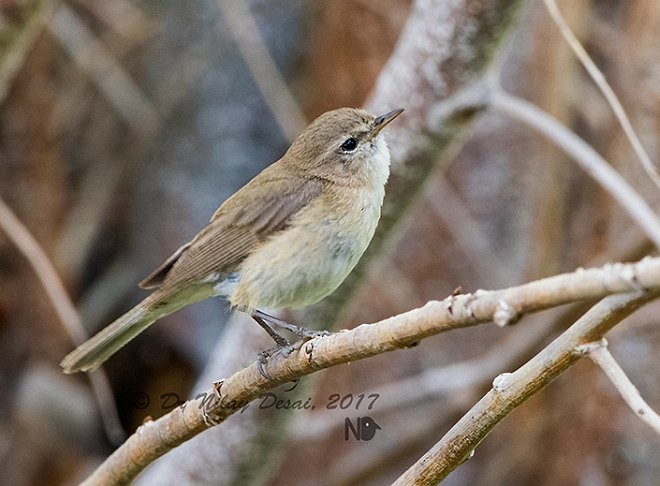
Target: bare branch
<point>442,383</point>
<point>600,355</point>
<point>606,89</point>
<point>399,332</point>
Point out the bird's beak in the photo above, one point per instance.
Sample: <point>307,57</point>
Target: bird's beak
<point>381,121</point>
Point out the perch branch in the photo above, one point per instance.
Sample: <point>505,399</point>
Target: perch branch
<point>502,306</point>
<point>433,384</point>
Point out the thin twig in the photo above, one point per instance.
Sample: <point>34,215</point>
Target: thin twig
<point>583,154</point>
<point>245,31</point>
<point>50,280</point>
<point>600,355</point>
<point>399,332</point>
<point>605,88</point>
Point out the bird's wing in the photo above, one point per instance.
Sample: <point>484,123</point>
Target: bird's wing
<point>242,222</point>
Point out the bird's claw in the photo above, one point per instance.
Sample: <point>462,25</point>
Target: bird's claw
<point>262,356</point>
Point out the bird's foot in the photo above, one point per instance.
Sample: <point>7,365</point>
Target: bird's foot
<point>283,345</point>
<point>263,356</point>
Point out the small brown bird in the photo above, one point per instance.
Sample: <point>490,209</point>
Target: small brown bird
<point>287,238</point>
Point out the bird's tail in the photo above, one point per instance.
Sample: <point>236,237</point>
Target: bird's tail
<point>93,352</point>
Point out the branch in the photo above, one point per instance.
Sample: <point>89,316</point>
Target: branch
<point>600,355</point>
<point>443,383</point>
<point>124,17</point>
<point>503,306</point>
<point>511,389</point>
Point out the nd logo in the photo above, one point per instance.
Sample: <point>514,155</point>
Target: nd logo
<point>364,429</point>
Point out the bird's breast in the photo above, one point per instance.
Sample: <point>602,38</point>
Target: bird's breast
<point>308,260</point>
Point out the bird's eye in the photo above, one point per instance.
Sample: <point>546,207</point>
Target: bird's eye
<point>349,145</point>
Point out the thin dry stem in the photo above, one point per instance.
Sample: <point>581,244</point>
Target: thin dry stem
<point>600,355</point>
<point>605,88</point>
<point>65,310</point>
<point>124,17</point>
<point>245,31</point>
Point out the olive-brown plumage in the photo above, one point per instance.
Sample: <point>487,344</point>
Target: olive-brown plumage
<point>287,238</point>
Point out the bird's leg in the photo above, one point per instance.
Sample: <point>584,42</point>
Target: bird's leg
<point>281,341</point>
<point>297,330</point>
<point>265,321</point>
<point>263,356</point>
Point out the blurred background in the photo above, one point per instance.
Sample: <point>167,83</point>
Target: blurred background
<point>124,124</point>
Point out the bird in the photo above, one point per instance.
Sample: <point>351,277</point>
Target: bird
<point>286,239</point>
